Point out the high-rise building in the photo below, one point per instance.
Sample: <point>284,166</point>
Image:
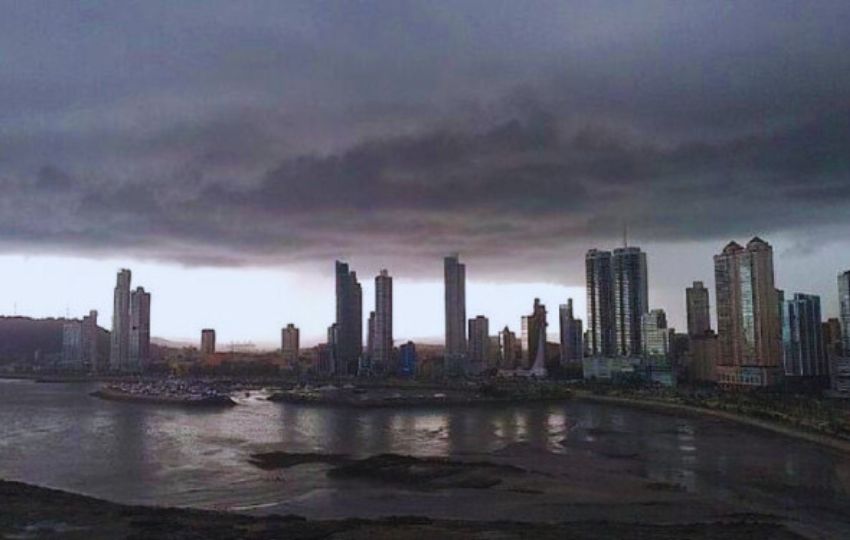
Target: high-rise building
<point>630,299</point>
<point>699,317</point>
<point>479,343</point>
<point>655,336</point>
<point>370,334</point>
<point>748,322</point>
<point>600,303</point>
<point>832,337</point>
<point>455,300</point>
<point>140,331</point>
<point>802,337</point>
<point>702,358</point>
<point>844,310</point>
<point>72,345</point>
<point>120,336</point>
<point>331,368</point>
<point>509,345</point>
<point>88,343</point>
<point>382,346</point>
<point>349,321</point>
<point>572,348</point>
<point>207,341</point>
<point>290,343</point>
<point>407,359</point>
<point>494,359</point>
<point>533,326</point>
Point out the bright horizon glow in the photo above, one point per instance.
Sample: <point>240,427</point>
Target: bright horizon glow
<point>253,304</point>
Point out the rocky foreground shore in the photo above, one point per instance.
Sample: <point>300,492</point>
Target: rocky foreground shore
<point>33,512</point>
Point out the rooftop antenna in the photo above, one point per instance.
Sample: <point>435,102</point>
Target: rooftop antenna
<point>625,235</point>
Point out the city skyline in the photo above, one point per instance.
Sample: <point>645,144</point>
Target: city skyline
<point>508,310</point>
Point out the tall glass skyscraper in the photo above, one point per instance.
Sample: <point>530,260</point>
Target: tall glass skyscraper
<point>802,337</point>
<point>139,350</point>
<point>748,322</point>
<point>631,299</point>
<point>844,310</point>
<point>572,348</point>
<point>348,344</point>
<point>120,336</point>
<point>600,303</point>
<point>382,346</point>
<point>455,300</point>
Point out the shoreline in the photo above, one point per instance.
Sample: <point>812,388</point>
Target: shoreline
<point>822,439</point>
<point>203,402</point>
<point>417,403</point>
<point>32,511</point>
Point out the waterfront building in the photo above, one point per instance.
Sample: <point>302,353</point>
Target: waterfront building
<point>802,337</point>
<point>455,304</point>
<point>479,344</point>
<point>382,344</point>
<point>120,336</point>
<point>494,359</point>
<point>140,331</point>
<point>332,351</point>
<point>88,343</point>
<point>324,359</point>
<point>509,346</point>
<point>290,344</point>
<point>571,333</point>
<point>407,359</point>
<point>600,303</point>
<point>844,310</point>
<point>207,341</point>
<point>72,357</point>
<point>701,360</point>
<point>748,321</point>
<point>655,336</point>
<point>831,330</point>
<point>349,321</point>
<point>534,326</point>
<point>698,311</point>
<point>370,334</point>
<point>630,299</point>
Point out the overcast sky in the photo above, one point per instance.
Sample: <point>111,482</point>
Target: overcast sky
<point>228,152</point>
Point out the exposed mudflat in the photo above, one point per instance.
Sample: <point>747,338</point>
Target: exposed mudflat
<point>28,512</point>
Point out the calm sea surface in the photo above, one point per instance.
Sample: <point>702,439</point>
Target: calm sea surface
<point>56,435</point>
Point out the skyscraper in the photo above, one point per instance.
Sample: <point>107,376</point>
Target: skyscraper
<point>630,299</point>
<point>349,321</point>
<point>802,337</point>
<point>140,331</point>
<point>572,348</point>
<point>72,345</point>
<point>844,310</point>
<point>655,335</point>
<point>290,344</point>
<point>508,344</point>
<point>120,336</point>
<point>479,343</point>
<point>207,341</point>
<point>600,303</point>
<point>455,301</point>
<point>383,332</point>
<point>699,318</point>
<point>748,323</point>
<point>88,343</point>
<point>407,359</point>
<point>534,325</point>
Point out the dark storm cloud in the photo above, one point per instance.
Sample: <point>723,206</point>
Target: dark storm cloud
<point>253,133</point>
